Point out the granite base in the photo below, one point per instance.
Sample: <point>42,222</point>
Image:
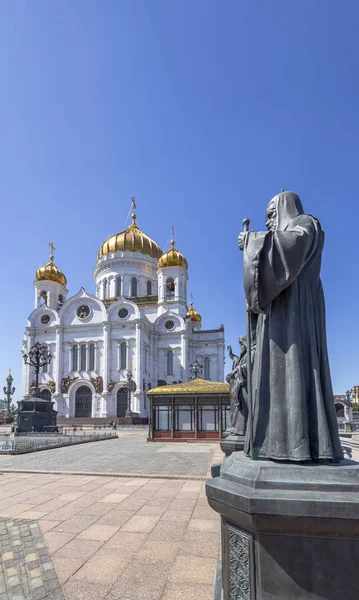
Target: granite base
<point>232,443</point>
<point>289,531</point>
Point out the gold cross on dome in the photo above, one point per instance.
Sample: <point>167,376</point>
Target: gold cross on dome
<point>133,200</point>
<point>52,247</point>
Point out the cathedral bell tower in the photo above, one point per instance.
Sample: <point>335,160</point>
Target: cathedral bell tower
<point>50,284</point>
<point>172,280</point>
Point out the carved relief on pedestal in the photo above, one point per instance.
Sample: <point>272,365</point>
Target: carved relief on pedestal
<point>240,567</point>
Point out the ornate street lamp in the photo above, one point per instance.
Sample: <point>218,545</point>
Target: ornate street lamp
<point>195,370</point>
<point>9,391</point>
<point>129,386</point>
<point>37,357</point>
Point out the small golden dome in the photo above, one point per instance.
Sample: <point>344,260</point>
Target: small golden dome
<point>193,314</point>
<point>132,240</point>
<point>51,272</point>
<point>172,258</point>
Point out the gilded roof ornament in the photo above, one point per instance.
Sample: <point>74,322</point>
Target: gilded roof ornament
<point>172,258</point>
<point>193,314</point>
<point>50,272</point>
<point>132,239</point>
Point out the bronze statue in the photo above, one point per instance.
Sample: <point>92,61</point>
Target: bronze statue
<point>293,414</point>
<point>237,380</point>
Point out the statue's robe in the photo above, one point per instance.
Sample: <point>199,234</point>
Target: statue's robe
<point>294,415</point>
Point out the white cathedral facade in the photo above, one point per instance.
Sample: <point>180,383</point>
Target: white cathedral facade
<point>137,320</point>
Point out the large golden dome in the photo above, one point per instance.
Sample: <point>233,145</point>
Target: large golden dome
<point>193,314</point>
<point>51,272</point>
<point>132,240</point>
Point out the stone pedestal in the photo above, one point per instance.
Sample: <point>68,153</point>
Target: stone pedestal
<point>289,531</point>
<point>35,414</point>
<point>232,443</point>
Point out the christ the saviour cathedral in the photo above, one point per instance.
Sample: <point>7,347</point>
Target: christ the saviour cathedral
<point>139,319</point>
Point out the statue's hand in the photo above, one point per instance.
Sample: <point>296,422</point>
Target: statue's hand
<point>229,348</point>
<point>241,240</point>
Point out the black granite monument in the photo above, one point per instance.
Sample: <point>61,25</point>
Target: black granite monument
<point>35,414</point>
<point>289,503</point>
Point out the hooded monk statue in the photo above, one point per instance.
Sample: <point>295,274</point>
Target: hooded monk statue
<point>293,408</point>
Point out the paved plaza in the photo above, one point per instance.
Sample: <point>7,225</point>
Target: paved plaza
<point>128,453</point>
<point>95,537</point>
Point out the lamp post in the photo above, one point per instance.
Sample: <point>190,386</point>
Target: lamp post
<point>9,391</point>
<point>195,370</point>
<point>37,357</point>
<point>129,386</point>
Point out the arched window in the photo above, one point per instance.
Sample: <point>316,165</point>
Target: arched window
<point>104,289</point>
<point>92,357</point>
<point>60,301</point>
<point>169,362</point>
<point>339,409</point>
<point>118,287</point>
<point>83,358</point>
<point>83,402</point>
<point>123,355</point>
<point>43,298</point>
<point>149,288</point>
<point>133,286</point>
<point>170,287</point>
<point>206,368</point>
<point>75,357</point>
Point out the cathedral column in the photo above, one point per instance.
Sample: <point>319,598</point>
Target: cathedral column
<point>106,368</point>
<point>111,287</point>
<point>139,364</point>
<point>57,374</point>
<point>106,354</point>
<point>26,380</point>
<point>184,336</point>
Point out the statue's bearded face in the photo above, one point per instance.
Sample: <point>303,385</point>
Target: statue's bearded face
<point>271,216</point>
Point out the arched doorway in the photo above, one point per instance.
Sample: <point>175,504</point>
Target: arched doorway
<point>121,402</point>
<point>83,402</point>
<point>339,409</point>
<point>46,395</point>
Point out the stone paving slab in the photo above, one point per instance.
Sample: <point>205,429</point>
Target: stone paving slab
<point>130,453</point>
<point>26,569</point>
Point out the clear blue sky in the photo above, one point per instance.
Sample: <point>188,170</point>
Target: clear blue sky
<point>201,109</point>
